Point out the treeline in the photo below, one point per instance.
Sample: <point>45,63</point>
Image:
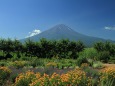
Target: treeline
<point>42,49</point>
<point>48,49</point>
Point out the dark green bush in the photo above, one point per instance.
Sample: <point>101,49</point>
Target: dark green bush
<point>104,56</point>
<point>81,60</point>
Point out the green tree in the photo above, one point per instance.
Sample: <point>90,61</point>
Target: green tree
<point>75,48</point>
<point>47,48</point>
<point>7,47</point>
<point>99,46</point>
<point>80,46</point>
<point>2,46</point>
<point>18,47</point>
<point>62,48</point>
<point>112,50</point>
<point>107,46</point>
<point>29,47</point>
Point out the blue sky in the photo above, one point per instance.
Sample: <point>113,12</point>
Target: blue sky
<point>20,18</point>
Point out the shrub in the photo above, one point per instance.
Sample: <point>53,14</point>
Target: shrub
<point>13,77</point>
<point>91,72</point>
<point>104,56</point>
<point>89,53</point>
<point>81,60</point>
<point>55,79</point>
<point>25,58</point>
<point>97,64</point>
<point>14,59</point>
<point>19,64</point>
<point>76,77</point>
<point>60,66</point>
<point>37,62</point>
<point>108,77</point>
<point>41,81</point>
<point>94,74</point>
<point>24,79</point>
<point>112,60</point>
<point>2,63</point>
<point>90,61</point>
<point>4,74</point>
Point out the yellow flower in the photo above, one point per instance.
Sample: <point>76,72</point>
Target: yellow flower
<point>5,69</point>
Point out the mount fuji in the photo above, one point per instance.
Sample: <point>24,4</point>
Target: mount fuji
<point>62,31</point>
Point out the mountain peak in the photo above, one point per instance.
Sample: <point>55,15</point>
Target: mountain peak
<point>61,27</point>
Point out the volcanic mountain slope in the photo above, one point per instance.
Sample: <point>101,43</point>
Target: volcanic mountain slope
<point>62,31</point>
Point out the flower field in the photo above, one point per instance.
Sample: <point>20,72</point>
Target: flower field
<point>76,77</point>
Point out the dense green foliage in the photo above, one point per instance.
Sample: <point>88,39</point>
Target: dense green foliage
<point>105,51</point>
<point>101,51</point>
<point>107,46</point>
<point>44,48</point>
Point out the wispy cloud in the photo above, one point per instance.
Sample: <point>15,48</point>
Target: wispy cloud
<point>33,33</point>
<point>110,28</point>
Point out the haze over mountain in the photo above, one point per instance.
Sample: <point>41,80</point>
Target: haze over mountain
<point>62,31</point>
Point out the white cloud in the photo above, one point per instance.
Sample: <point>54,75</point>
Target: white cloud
<point>110,28</point>
<point>33,33</point>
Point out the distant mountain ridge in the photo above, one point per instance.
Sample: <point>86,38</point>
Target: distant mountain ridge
<point>62,31</point>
